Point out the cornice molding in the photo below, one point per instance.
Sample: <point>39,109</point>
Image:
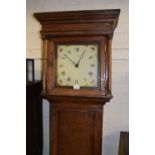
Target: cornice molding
<point>92,21</point>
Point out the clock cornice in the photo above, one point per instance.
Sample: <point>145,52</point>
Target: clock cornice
<point>87,22</point>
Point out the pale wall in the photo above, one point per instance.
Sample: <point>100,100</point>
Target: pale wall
<point>116,116</point>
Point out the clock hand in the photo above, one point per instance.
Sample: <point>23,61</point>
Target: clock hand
<point>80,59</point>
<point>70,59</point>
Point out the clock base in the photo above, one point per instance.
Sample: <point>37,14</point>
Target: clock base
<point>75,127</point>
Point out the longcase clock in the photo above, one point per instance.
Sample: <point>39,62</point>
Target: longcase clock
<point>77,77</point>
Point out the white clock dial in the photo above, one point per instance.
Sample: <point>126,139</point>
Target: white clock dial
<point>77,65</point>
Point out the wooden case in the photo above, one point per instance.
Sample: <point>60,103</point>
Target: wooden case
<point>76,115</point>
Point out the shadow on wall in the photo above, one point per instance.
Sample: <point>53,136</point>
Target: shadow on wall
<point>109,148</point>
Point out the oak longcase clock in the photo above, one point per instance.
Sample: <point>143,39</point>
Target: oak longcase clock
<point>77,77</point>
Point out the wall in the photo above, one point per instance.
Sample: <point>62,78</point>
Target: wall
<point>117,111</point>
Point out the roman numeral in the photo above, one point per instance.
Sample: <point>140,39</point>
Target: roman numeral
<point>76,81</point>
<point>68,79</point>
<point>92,65</point>
<point>90,73</point>
<point>63,73</point>
<point>91,57</point>
<point>61,49</point>
<point>77,49</point>
<point>93,48</point>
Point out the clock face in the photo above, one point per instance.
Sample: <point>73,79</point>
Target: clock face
<point>77,65</point>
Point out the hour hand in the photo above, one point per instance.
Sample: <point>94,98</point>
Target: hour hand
<point>70,59</point>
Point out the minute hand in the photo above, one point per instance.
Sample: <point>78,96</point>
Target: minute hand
<point>70,59</point>
<point>80,58</point>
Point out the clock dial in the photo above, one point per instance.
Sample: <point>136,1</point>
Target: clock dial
<point>77,65</point>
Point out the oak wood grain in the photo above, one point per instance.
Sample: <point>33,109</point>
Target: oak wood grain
<point>76,115</point>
